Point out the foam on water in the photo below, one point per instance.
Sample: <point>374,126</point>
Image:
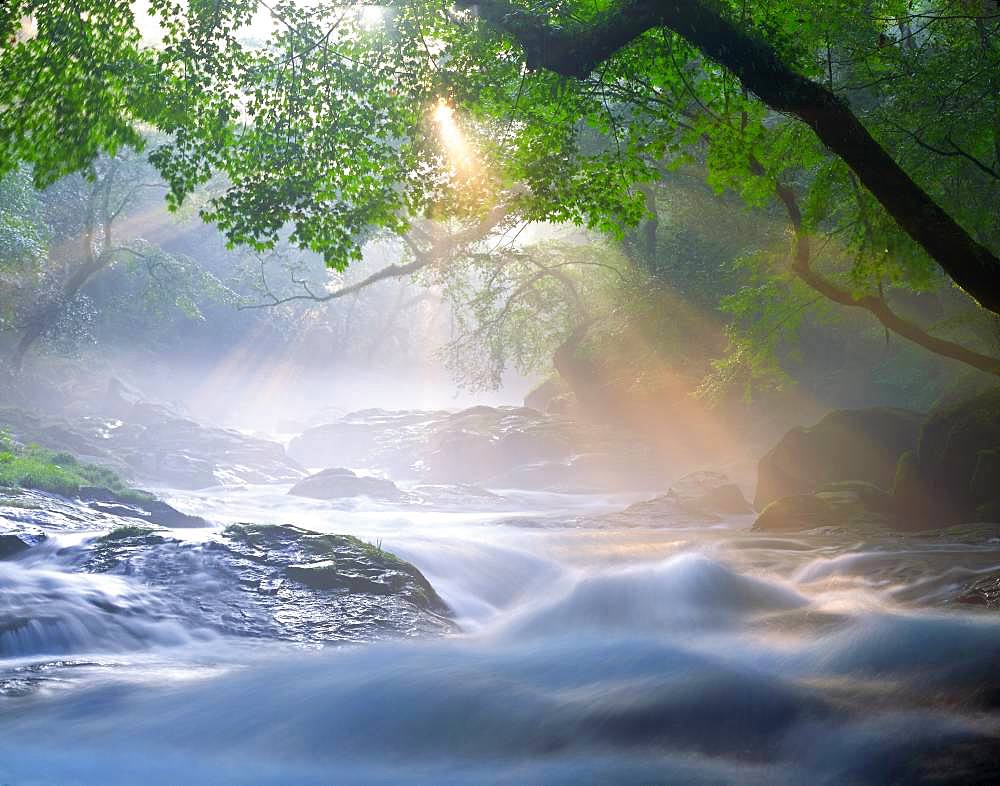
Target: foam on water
<point>707,666</point>
<point>585,689</point>
<point>49,612</point>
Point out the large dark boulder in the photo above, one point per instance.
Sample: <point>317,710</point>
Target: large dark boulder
<point>857,444</point>
<point>341,483</point>
<point>953,475</point>
<point>268,582</point>
<point>17,541</point>
<point>331,562</point>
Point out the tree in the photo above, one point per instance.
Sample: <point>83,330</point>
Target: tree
<point>334,128</point>
<point>22,243</point>
<point>576,50</point>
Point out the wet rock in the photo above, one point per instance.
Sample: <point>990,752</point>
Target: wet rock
<point>861,444</point>
<point>334,562</point>
<point>325,574</point>
<point>795,512</point>
<point>152,443</point>
<point>709,492</point>
<point>984,592</point>
<point>850,504</point>
<point>953,475</point>
<point>13,544</point>
<point>342,483</point>
<point>272,581</point>
<point>542,395</point>
<point>151,510</point>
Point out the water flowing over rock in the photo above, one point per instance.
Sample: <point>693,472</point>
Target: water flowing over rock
<point>19,540</point>
<point>271,582</point>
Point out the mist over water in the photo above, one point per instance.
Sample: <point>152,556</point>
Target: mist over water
<point>580,646</point>
<point>587,655</point>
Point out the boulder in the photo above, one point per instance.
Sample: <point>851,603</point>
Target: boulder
<point>860,444</point>
<point>268,582</point>
<point>12,544</point>
<point>542,395</point>
<point>332,562</point>
<point>953,475</point>
<point>661,511</point>
<point>794,512</point>
<point>138,506</point>
<point>848,504</point>
<point>709,492</point>
<point>340,483</point>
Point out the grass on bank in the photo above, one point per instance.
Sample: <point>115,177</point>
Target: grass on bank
<point>34,467</point>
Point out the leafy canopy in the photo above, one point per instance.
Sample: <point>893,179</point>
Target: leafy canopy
<point>323,126</point>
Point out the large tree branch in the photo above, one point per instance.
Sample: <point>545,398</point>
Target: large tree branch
<point>438,247</point>
<point>575,50</point>
<point>390,271</point>
<point>876,306</point>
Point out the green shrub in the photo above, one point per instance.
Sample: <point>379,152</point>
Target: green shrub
<point>35,467</point>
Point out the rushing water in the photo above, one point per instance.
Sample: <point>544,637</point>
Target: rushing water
<point>588,654</point>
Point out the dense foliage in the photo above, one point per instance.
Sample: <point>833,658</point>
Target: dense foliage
<point>340,121</point>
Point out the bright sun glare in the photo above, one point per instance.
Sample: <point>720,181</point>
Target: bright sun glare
<point>452,139</point>
<point>371,16</point>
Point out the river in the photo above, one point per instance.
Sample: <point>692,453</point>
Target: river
<point>583,654</point>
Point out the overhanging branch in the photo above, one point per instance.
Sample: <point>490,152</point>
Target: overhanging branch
<point>576,49</point>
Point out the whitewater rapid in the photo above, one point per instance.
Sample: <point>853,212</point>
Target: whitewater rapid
<point>586,654</point>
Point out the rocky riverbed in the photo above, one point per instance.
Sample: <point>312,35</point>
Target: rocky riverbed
<point>484,632</point>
